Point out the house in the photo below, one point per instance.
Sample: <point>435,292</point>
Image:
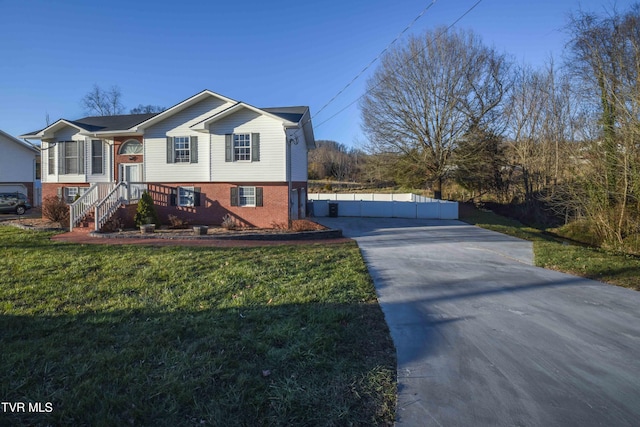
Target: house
<point>207,157</point>
<point>19,167</point>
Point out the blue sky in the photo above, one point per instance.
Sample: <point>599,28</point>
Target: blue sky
<point>275,53</point>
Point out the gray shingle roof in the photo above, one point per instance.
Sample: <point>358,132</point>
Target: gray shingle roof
<point>106,123</point>
<point>111,123</point>
<point>292,114</point>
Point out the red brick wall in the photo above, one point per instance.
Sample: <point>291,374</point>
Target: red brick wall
<point>215,203</point>
<point>51,188</point>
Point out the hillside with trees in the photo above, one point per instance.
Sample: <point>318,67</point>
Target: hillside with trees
<point>558,144</point>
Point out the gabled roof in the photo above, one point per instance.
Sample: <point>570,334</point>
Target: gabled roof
<point>181,106</point>
<point>292,114</point>
<point>20,143</point>
<point>287,117</point>
<point>136,123</point>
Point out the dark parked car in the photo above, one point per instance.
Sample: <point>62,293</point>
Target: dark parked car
<point>14,203</point>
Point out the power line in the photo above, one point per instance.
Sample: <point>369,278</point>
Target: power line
<point>401,65</point>
<point>377,57</point>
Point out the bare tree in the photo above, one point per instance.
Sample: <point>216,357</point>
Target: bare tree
<point>605,58</point>
<point>101,102</point>
<point>427,94</point>
<point>145,109</point>
<point>331,159</point>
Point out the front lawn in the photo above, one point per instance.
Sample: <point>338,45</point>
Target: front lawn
<point>123,335</point>
<point>556,253</point>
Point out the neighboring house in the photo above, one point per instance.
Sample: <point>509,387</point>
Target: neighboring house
<point>204,158</point>
<point>19,167</point>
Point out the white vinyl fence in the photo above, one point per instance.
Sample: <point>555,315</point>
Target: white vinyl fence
<point>404,205</point>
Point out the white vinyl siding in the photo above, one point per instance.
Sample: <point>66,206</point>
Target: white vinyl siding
<point>299,160</point>
<point>157,168</point>
<point>271,167</point>
<point>16,161</point>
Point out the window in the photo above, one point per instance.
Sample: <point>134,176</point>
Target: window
<point>246,196</point>
<point>182,149</point>
<point>70,193</point>
<point>51,160</point>
<point>181,146</point>
<point>131,146</point>
<point>97,157</point>
<point>186,196</point>
<point>71,157</point>
<point>241,146</point>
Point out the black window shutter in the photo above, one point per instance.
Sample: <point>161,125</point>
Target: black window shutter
<point>258,196</point>
<point>228,147</point>
<point>61,158</point>
<point>193,146</point>
<point>170,150</point>
<point>234,196</point>
<point>172,197</point>
<point>255,147</point>
<point>81,145</point>
<point>196,196</point>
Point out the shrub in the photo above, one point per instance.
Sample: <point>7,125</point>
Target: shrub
<point>175,222</point>
<point>113,224</point>
<point>229,223</point>
<point>56,210</point>
<point>146,212</point>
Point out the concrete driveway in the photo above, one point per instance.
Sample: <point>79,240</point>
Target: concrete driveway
<point>484,338</point>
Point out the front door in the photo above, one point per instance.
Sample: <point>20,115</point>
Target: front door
<point>131,173</point>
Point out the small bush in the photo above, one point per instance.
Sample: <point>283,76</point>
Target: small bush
<point>146,212</point>
<point>112,225</point>
<point>580,231</point>
<point>56,210</point>
<point>229,223</point>
<point>177,223</point>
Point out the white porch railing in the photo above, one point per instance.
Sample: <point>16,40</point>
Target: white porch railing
<point>107,206</point>
<point>105,197</point>
<point>82,206</point>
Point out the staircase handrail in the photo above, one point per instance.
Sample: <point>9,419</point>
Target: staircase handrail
<point>109,204</point>
<point>79,208</point>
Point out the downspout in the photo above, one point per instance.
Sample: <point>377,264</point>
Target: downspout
<point>293,140</point>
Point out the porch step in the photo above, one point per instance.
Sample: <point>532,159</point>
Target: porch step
<point>87,223</point>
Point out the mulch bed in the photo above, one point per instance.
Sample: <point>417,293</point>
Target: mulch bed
<point>308,232</point>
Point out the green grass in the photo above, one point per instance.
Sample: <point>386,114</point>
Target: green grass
<point>124,335</point>
<point>555,253</point>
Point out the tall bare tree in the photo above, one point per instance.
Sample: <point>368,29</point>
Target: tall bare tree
<point>605,58</point>
<point>101,102</point>
<point>427,94</point>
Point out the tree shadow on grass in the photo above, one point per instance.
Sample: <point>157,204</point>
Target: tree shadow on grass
<point>304,364</point>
